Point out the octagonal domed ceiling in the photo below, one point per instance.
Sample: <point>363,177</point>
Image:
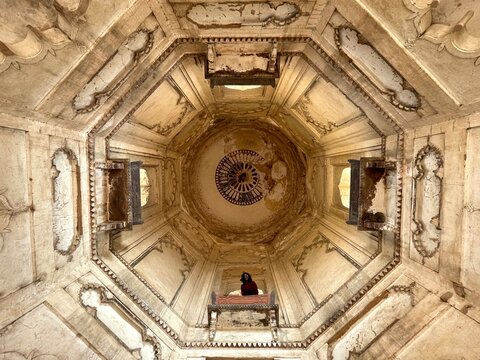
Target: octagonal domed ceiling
<point>244,181</point>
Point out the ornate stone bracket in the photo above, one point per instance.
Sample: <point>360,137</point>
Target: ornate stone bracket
<point>427,196</point>
<point>455,38</point>
<point>128,329</point>
<point>31,29</point>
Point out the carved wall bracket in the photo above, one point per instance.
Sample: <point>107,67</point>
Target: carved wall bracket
<point>455,37</point>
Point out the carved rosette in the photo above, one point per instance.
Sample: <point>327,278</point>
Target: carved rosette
<point>427,195</point>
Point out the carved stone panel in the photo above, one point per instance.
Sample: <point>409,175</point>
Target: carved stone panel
<point>351,43</point>
<point>133,334</point>
<point>235,14</point>
<point>171,182</point>
<point>427,201</point>
<point>318,264</point>
<point>67,214</point>
<point>115,70</point>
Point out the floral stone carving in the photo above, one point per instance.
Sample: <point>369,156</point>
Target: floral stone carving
<point>427,195</point>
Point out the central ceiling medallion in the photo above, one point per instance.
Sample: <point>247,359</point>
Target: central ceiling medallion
<point>237,179</point>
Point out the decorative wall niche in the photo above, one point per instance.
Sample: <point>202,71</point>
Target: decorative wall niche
<point>67,205</point>
<point>121,322</point>
<point>41,28</point>
<point>351,43</point>
<point>115,71</point>
<point>427,202</point>
<point>235,14</point>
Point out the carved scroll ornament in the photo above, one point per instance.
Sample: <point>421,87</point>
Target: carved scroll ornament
<point>454,37</point>
<point>427,195</point>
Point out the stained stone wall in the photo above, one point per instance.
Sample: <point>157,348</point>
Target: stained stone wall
<point>84,82</point>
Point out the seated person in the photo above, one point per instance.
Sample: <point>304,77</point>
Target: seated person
<point>249,287</point>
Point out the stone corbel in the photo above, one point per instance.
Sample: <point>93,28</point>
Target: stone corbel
<point>455,37</point>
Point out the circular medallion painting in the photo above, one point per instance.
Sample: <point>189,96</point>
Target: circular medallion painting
<point>237,179</point>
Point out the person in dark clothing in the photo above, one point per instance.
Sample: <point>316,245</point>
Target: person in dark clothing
<point>249,287</point>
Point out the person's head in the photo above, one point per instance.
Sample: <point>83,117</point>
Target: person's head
<point>245,278</point>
